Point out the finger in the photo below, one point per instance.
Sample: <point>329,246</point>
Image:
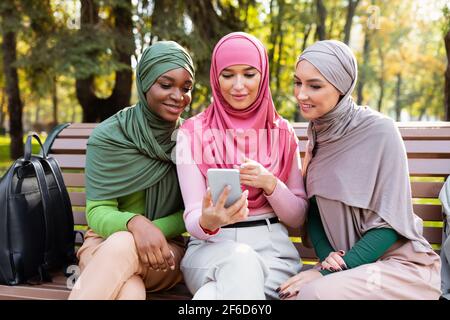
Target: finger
<point>329,267</point>
<point>153,263</point>
<point>338,258</point>
<point>162,265</point>
<point>207,199</point>
<point>169,257</point>
<point>330,260</point>
<point>238,204</point>
<point>285,285</point>
<point>223,197</point>
<point>144,259</point>
<point>241,215</point>
<point>248,183</point>
<point>249,177</point>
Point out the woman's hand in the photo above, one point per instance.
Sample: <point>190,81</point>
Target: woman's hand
<point>254,174</point>
<point>214,217</point>
<point>151,244</point>
<point>334,261</point>
<point>293,285</point>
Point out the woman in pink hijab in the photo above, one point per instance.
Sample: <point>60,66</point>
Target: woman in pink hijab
<point>243,251</point>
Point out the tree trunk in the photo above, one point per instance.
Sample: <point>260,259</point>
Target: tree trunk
<point>398,102</point>
<point>273,36</point>
<point>381,80</point>
<point>2,114</point>
<point>447,78</point>
<point>55,101</point>
<point>98,109</point>
<point>363,74</point>
<point>322,16</point>
<point>352,4</point>
<point>280,49</point>
<point>15,106</point>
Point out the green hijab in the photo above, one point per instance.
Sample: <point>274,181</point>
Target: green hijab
<point>131,150</point>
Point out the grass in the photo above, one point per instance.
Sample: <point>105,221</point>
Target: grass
<point>5,160</point>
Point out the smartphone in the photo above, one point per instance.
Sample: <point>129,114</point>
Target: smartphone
<point>218,179</point>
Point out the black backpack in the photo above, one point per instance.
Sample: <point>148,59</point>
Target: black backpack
<point>36,221</point>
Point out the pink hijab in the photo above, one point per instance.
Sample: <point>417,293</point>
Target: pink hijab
<point>221,135</point>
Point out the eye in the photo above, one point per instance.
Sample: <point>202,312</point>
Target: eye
<point>315,87</point>
<point>165,86</point>
<point>186,90</point>
<point>250,75</point>
<point>226,75</point>
<point>297,83</point>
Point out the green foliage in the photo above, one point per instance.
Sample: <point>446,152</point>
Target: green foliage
<point>53,50</point>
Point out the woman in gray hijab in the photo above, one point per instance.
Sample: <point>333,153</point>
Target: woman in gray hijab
<point>361,221</point>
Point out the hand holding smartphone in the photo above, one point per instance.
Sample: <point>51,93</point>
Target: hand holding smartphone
<point>218,179</point>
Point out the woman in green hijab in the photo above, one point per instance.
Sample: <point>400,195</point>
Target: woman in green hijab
<point>134,206</point>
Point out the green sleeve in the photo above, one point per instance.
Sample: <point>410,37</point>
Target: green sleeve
<point>104,217</point>
<point>171,225</point>
<point>316,232</point>
<point>369,248</point>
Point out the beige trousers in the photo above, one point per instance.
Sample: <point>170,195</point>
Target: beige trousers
<point>111,269</point>
<point>401,273</point>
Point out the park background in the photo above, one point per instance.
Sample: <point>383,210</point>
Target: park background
<point>74,60</point>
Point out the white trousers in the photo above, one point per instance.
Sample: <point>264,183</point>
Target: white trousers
<point>240,263</point>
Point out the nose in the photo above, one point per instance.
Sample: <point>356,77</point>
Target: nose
<point>177,95</point>
<point>238,83</point>
<point>301,94</point>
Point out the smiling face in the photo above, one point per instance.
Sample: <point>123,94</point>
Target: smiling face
<point>170,94</point>
<point>239,85</point>
<point>315,95</point>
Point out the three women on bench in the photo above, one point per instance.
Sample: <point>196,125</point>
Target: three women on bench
<point>360,220</point>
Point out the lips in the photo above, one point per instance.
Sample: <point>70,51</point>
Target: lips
<point>306,107</point>
<point>173,108</point>
<point>239,97</point>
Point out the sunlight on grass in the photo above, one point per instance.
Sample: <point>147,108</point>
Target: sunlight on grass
<point>5,161</point>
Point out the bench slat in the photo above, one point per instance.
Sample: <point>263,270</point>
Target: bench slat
<point>83,125</point>
<point>433,235</point>
<point>429,167</point>
<point>32,292</point>
<point>428,212</point>
<point>70,161</point>
<point>305,253</point>
<point>74,179</point>
<point>411,130</point>
<point>78,199</point>
<point>70,133</point>
<point>79,218</point>
<point>421,189</point>
<point>73,146</point>
<point>418,148</point>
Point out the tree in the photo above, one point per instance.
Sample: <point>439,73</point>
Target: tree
<point>9,23</point>
<point>351,9</point>
<point>447,70</point>
<point>118,50</point>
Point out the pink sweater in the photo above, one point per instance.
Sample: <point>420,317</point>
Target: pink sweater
<point>288,201</point>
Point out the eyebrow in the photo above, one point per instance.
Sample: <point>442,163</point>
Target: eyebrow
<point>173,80</point>
<point>310,80</point>
<point>246,69</point>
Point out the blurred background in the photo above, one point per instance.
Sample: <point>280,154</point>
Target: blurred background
<point>74,60</point>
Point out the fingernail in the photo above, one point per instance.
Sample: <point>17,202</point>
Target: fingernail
<point>341,252</point>
<point>284,295</point>
<point>172,267</point>
<point>343,267</point>
<point>332,269</point>
<point>228,187</point>
<point>277,289</point>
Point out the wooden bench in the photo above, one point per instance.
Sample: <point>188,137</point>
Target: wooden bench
<point>427,145</point>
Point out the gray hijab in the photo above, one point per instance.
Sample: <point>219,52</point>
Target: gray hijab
<point>355,155</point>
